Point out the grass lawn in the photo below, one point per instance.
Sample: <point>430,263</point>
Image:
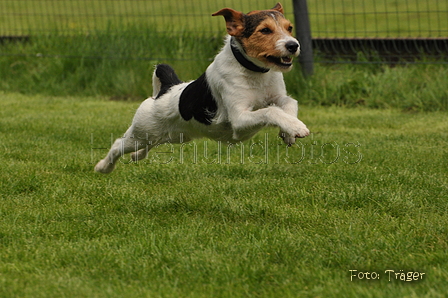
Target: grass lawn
<point>367,192</point>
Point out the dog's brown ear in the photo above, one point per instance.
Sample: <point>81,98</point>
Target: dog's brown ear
<point>278,7</point>
<point>234,20</point>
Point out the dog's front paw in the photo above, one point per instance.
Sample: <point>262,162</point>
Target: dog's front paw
<point>302,132</point>
<point>289,136</point>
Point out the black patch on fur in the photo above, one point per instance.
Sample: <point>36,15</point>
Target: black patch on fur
<point>252,21</point>
<point>196,101</point>
<point>167,77</point>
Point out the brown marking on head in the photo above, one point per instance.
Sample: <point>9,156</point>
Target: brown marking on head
<point>278,7</point>
<point>265,35</point>
<point>234,20</point>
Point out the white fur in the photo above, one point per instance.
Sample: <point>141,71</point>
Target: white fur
<point>247,101</point>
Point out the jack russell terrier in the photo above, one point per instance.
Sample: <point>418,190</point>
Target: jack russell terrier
<point>241,92</point>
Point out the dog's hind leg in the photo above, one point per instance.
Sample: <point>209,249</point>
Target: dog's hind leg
<point>127,144</point>
<point>140,154</point>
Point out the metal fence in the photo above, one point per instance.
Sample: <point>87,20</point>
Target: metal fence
<point>23,17</point>
<point>340,28</point>
<point>382,31</point>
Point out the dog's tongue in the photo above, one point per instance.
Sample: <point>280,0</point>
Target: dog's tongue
<point>286,59</point>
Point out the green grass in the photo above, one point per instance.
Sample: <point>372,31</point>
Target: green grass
<point>116,57</point>
<point>274,229</point>
<point>119,64</point>
<point>331,18</point>
<point>367,191</point>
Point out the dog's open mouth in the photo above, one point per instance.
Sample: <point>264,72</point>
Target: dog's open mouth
<point>284,62</point>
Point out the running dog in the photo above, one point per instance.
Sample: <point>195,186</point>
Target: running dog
<point>241,92</point>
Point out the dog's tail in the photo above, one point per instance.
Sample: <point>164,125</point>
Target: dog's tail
<point>163,79</point>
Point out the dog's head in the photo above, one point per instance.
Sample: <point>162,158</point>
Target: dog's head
<point>265,35</point>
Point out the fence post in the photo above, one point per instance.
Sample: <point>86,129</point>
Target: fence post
<point>303,33</point>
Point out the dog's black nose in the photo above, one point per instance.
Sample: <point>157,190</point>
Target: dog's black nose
<point>292,46</point>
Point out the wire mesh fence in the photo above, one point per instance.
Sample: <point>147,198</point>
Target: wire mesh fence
<point>374,19</point>
<point>329,18</point>
<point>340,28</point>
<point>22,17</point>
<point>399,31</point>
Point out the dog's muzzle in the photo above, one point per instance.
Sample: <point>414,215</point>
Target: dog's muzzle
<point>292,46</point>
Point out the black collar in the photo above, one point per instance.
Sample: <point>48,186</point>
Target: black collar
<point>243,60</point>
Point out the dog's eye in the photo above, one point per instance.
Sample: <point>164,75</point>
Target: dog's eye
<point>266,31</point>
<point>290,29</point>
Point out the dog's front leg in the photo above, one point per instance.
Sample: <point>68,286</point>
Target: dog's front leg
<point>247,120</point>
<point>289,106</point>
